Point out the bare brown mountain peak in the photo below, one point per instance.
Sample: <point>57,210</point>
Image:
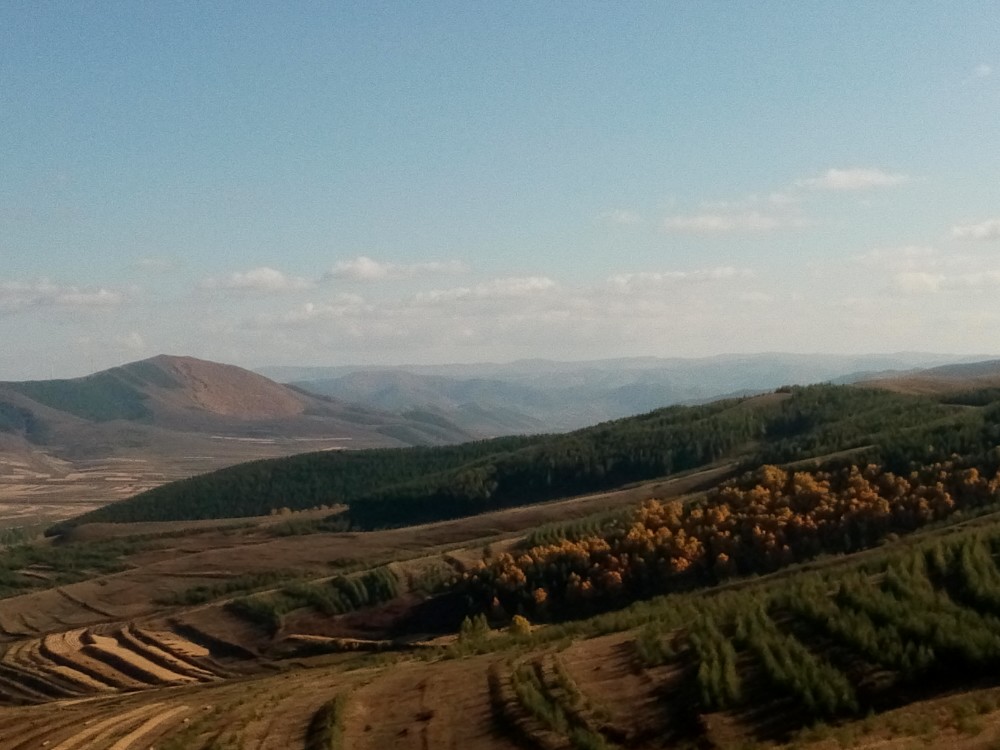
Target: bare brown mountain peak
<point>168,417</point>
<point>226,390</point>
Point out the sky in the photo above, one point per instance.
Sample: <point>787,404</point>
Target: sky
<point>316,183</point>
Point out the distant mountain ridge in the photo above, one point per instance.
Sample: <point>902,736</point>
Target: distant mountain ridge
<point>73,444</point>
<point>544,395</point>
<point>943,379</point>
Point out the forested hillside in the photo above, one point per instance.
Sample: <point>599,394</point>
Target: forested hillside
<point>303,481</point>
<point>397,487</point>
<point>760,523</point>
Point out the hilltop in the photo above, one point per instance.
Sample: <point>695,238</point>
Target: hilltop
<point>191,395</point>
<point>115,432</point>
<point>942,380</point>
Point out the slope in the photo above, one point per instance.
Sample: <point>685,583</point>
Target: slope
<point>193,395</point>
<point>399,487</point>
<point>69,445</point>
<point>943,380</point>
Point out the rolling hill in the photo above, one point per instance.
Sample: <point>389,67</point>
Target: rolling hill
<point>417,485</point>
<point>111,434</point>
<point>184,394</point>
<point>942,380</point>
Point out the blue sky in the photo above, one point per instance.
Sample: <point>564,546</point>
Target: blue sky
<point>334,183</point>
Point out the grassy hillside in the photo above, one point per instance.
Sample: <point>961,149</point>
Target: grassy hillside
<point>98,398</point>
<point>947,379</point>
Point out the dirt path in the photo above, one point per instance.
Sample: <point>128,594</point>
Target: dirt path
<point>148,727</point>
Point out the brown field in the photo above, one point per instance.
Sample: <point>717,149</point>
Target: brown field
<point>209,554</point>
<point>464,704</point>
<point>103,664</point>
<point>38,487</point>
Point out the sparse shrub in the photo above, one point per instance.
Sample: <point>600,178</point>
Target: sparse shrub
<point>519,626</point>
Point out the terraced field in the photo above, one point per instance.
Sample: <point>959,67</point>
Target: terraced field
<point>591,694</point>
<point>88,662</point>
<point>848,652</point>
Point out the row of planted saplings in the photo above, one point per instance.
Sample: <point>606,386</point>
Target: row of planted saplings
<point>932,611</point>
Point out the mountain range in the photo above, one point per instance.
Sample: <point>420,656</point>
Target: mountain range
<point>67,446</point>
<point>542,395</point>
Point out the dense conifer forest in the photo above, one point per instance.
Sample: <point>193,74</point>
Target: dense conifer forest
<point>385,488</point>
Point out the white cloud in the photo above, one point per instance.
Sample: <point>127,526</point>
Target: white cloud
<point>364,268</point>
<point>978,280</point>
<point>781,198</point>
<point>916,282</point>
<point>621,216</point>
<point>986,230</point>
<point>726,223</point>
<point>342,306</point>
<point>132,341</point>
<point>983,71</point>
<point>503,288</point>
<point>262,279</point>
<point>16,296</point>
<point>854,178</point>
<point>904,258</point>
<point>631,281</point>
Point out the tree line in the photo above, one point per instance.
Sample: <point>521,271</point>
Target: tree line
<point>396,487</point>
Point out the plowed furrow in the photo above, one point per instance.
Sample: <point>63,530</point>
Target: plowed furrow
<point>72,681</point>
<point>130,663</point>
<point>67,650</point>
<point>148,728</point>
<point>168,641</point>
<point>31,684</point>
<point>36,732</point>
<point>160,657</point>
<point>182,649</point>
<point>100,733</point>
<point>14,692</point>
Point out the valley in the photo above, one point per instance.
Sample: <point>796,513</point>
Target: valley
<point>812,568</point>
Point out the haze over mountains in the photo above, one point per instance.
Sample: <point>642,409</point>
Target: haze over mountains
<point>544,395</point>
<point>150,403</point>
